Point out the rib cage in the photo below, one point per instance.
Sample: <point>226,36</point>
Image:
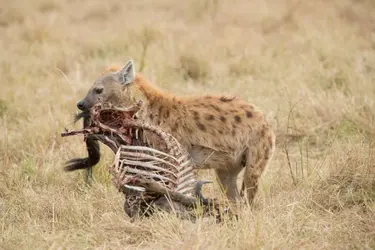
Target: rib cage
<point>175,173</point>
<point>165,162</point>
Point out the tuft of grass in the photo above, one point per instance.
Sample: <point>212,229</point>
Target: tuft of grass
<point>146,37</point>
<point>243,67</point>
<point>351,180</point>
<point>36,34</point>
<point>194,67</point>
<point>203,9</point>
<point>9,16</point>
<point>48,6</point>
<point>106,48</point>
<point>98,14</point>
<point>3,108</point>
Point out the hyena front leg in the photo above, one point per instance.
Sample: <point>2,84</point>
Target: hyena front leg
<point>228,182</point>
<point>224,165</point>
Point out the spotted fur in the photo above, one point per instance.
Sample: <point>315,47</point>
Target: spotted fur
<point>222,133</point>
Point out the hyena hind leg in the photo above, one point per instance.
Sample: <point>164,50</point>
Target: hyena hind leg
<point>251,177</point>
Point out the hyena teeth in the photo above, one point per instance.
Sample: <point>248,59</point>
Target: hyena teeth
<point>136,133</point>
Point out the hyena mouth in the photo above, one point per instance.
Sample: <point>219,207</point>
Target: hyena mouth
<point>149,163</point>
<point>111,126</point>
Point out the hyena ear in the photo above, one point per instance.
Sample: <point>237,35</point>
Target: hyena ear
<point>127,74</point>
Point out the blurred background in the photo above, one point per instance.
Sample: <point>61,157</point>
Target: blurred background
<point>310,65</point>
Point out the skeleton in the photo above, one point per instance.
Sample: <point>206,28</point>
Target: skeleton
<point>153,171</point>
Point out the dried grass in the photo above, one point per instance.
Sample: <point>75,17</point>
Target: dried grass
<point>320,61</point>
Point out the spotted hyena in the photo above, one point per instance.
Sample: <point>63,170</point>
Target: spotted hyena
<point>222,133</point>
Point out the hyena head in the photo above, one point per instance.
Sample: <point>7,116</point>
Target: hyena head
<point>112,87</point>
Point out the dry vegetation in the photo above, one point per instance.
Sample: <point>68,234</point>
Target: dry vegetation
<point>309,64</point>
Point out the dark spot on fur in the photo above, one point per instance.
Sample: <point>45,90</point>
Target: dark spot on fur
<point>237,118</point>
<point>215,107</point>
<point>196,115</point>
<point>209,117</point>
<point>166,114</point>
<point>227,99</point>
<point>234,128</point>
<point>244,158</point>
<point>189,130</point>
<point>249,114</point>
<point>221,132</point>
<point>201,126</point>
<point>174,128</point>
<point>266,153</point>
<point>151,116</point>
<point>270,141</point>
<point>223,119</point>
<point>264,129</point>
<point>160,109</point>
<point>262,132</point>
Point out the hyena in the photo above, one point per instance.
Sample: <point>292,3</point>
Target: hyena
<point>222,133</point>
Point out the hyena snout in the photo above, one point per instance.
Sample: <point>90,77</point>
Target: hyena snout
<point>81,105</point>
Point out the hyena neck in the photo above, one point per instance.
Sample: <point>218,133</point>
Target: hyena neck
<point>160,106</point>
<point>151,91</point>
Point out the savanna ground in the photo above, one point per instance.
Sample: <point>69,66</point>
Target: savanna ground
<point>310,65</point>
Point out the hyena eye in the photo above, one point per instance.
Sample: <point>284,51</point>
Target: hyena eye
<point>98,90</point>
